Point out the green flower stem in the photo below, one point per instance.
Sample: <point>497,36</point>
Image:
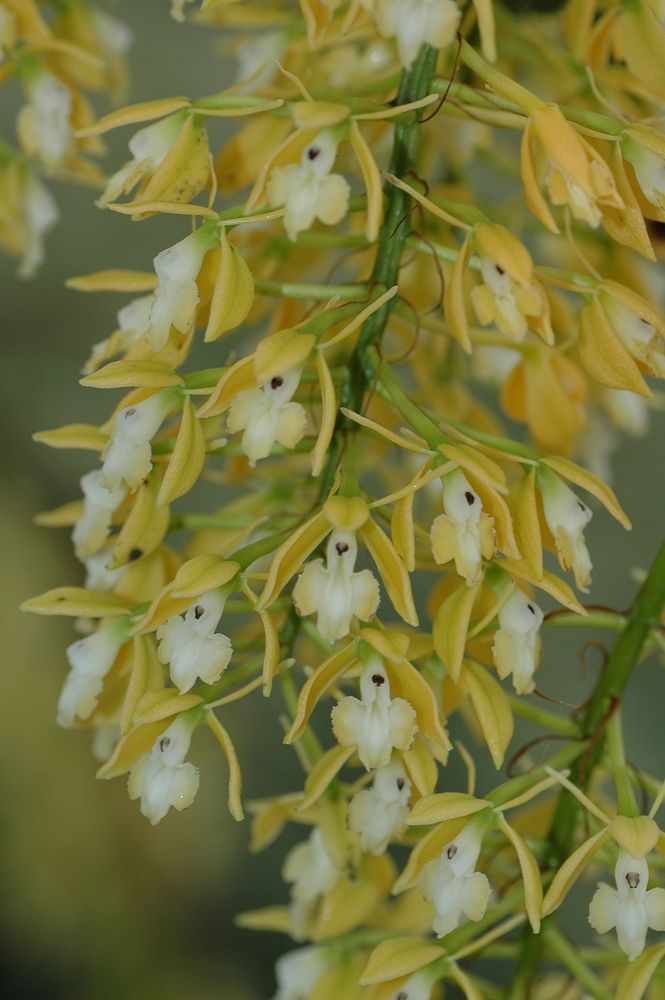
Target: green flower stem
<point>418,419</point>
<point>295,290</point>
<point>396,227</point>
<point>622,661</point>
<point>547,720</point>
<point>626,802</point>
<point>570,956</point>
<point>525,782</point>
<point>596,618</point>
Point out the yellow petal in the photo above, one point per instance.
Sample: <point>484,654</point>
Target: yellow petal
<point>316,686</point>
<point>85,436</point>
<point>318,114</point>
<point>280,352</point>
<point>146,111</point>
<point>445,806</point>
<point>603,354</point>
<point>533,889</point>
<point>201,574</point>
<point>427,849</point>
<point>492,709</point>
<point>398,957</point>
<point>592,484</point>
<point>154,706</point>
<point>486,27</point>
<point>145,526</point>
<point>532,193</point>
<point>235,380</point>
<point>454,297</point>
<point>146,675</point>
<point>360,318</point>
<point>638,835</point>
<point>551,584</point>
<point>451,625</point>
<point>637,975</point>
<point>420,766</point>
<point>233,293</point>
<point>571,870</point>
<point>235,776</point>
<point>185,169</point>
<point>114,280</point>
<point>187,460</point>
<point>64,516</point>
<point>408,683</point>
<point>626,225</point>
<point>324,771</point>
<point>372,180</point>
<point>478,465</point>
<point>130,747</point>
<point>527,523</point>
<point>390,645</point>
<point>346,513</point>
<point>133,374</point>
<point>290,556</point>
<point>391,569</point>
<point>75,601</point>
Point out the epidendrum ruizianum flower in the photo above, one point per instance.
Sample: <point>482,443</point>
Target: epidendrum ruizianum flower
<point>353,396</point>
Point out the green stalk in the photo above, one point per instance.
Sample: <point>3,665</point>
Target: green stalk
<point>396,228</point>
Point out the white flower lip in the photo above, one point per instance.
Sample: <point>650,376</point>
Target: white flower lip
<point>375,723</point>
<point>335,591</point>
<point>453,886</point>
<point>412,22</point>
<point>91,530</point>
<point>192,647</point>
<point>267,416</point>
<point>516,645</point>
<point>162,779</point>
<point>176,294</point>
<point>90,660</point>
<point>378,814</point>
<point>567,516</point>
<point>309,191</point>
<point>127,458</point>
<point>631,908</point>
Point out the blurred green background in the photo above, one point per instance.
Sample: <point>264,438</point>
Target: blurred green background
<point>95,903</point>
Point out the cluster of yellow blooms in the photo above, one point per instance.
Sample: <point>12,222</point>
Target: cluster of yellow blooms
<point>367,227</point>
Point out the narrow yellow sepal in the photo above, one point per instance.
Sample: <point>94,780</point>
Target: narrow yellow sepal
<point>280,352</point>
<point>84,436</point>
<point>571,870</point>
<point>324,771</point>
<point>145,111</point>
<point>549,582</point>
<point>454,298</point>
<point>145,527</point>
<point>290,556</point>
<point>591,483</point>
<point>445,806</point>
<point>316,685</point>
<point>391,569</point>
<point>533,889</point>
<point>235,775</point>
<point>64,516</point>
<point>328,414</point>
<point>132,374</point>
<point>187,460</point>
<point>372,180</point>
<point>451,625</point>
<point>114,280</point>
<point>492,709</point>
<point>398,957</point>
<point>75,601</point>
<point>233,293</point>
<point>532,193</point>
<point>391,645</point>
